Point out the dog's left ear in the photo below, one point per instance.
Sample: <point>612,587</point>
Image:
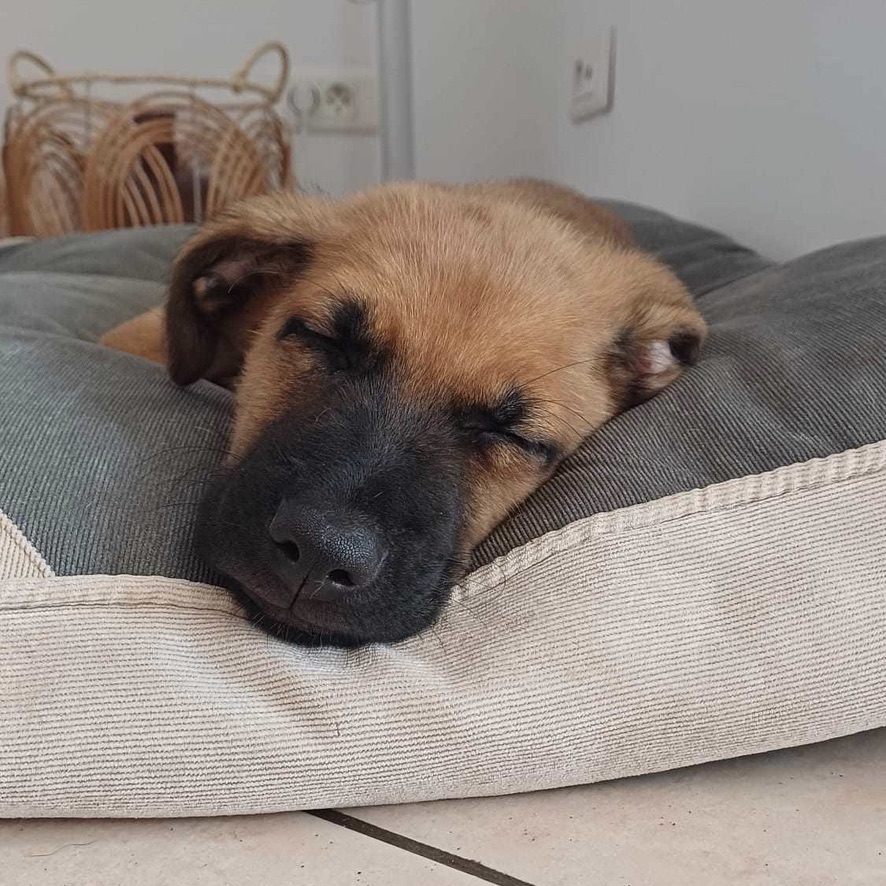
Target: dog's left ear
<point>661,336</point>
<point>224,278</point>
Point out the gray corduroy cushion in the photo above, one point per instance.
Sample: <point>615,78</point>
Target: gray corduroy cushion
<point>102,459</point>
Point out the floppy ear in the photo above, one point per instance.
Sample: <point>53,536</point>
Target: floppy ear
<point>223,279</point>
<point>662,336</point>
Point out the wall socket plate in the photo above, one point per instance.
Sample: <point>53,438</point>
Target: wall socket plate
<point>334,101</point>
<point>592,78</point>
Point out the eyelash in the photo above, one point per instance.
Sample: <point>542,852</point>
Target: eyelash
<point>535,448</point>
<point>296,328</point>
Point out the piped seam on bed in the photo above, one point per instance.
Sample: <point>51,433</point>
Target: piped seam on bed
<point>18,557</point>
<point>41,590</point>
<point>753,489</point>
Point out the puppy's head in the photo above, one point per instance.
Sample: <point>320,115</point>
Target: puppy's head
<point>409,366</point>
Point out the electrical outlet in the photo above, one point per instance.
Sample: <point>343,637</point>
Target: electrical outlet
<point>335,102</point>
<point>592,79</point>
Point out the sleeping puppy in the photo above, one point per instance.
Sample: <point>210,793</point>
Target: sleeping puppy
<point>409,365</point>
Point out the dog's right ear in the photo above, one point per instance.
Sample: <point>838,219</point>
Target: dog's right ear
<point>222,279</point>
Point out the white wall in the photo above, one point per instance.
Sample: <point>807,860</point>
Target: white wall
<point>765,118</point>
<point>485,82</point>
<point>208,38</point>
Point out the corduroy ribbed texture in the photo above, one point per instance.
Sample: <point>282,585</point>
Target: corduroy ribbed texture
<point>725,621</point>
<point>101,458</point>
<point>18,557</point>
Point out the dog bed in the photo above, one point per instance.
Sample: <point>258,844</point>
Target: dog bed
<point>705,578</point>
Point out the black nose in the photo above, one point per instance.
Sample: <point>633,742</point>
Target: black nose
<point>328,555</point>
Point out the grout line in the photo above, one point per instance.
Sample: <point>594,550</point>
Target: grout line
<point>465,865</point>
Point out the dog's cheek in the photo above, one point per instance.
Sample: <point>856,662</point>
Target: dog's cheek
<point>493,487</point>
<point>275,379</point>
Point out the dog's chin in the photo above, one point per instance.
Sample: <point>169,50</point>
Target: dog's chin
<point>316,624</point>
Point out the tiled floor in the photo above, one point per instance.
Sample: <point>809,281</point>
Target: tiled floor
<point>814,815</point>
<point>267,850</point>
<point>805,817</point>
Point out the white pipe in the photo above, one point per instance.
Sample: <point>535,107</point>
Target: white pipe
<point>395,90</point>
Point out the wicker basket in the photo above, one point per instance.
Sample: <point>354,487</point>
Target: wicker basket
<point>77,157</point>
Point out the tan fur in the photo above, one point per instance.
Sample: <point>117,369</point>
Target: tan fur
<point>475,289</point>
<point>142,336</point>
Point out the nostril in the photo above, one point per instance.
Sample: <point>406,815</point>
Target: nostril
<point>334,554</point>
<point>290,549</point>
<point>340,577</point>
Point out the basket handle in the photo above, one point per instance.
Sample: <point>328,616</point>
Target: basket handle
<point>21,87</point>
<point>271,93</point>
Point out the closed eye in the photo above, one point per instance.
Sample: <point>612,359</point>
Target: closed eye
<point>346,339</point>
<point>296,329</point>
<point>496,425</point>
<point>540,449</point>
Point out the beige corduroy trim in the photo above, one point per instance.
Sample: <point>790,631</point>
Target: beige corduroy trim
<point>747,616</point>
<point>18,557</point>
<point>730,494</point>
